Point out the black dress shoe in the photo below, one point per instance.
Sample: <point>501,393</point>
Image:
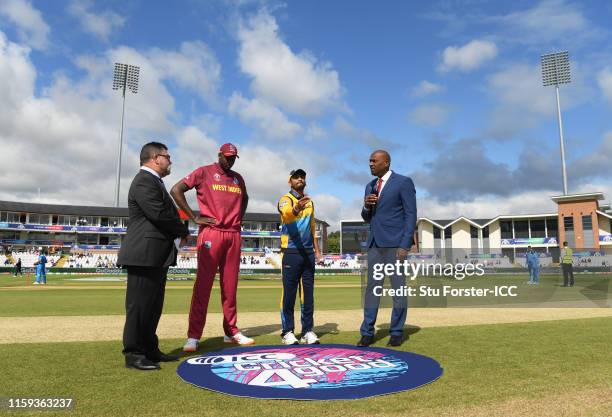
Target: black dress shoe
<point>365,341</point>
<point>162,357</point>
<point>140,362</point>
<point>395,341</point>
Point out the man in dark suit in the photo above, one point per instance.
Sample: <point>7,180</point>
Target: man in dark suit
<point>390,208</point>
<point>147,251</point>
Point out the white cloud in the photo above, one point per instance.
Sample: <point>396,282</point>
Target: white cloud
<point>193,67</point>
<point>468,57</point>
<point>295,82</point>
<point>547,22</point>
<point>604,80</point>
<point>363,136</point>
<point>101,24</point>
<point>75,124</point>
<point>31,27</point>
<point>329,208</point>
<point>523,101</point>
<point>314,131</point>
<point>425,88</point>
<point>532,202</point>
<point>429,114</point>
<point>520,85</point>
<point>266,117</point>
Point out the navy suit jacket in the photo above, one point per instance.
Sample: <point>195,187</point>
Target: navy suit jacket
<point>393,218</point>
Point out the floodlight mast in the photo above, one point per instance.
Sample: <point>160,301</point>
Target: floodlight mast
<point>555,71</point>
<point>125,77</point>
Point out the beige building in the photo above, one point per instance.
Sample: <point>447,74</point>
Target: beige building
<point>581,219</point>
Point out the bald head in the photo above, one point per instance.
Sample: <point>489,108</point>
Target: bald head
<point>380,161</point>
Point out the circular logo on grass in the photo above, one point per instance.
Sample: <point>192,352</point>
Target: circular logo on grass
<point>316,372</point>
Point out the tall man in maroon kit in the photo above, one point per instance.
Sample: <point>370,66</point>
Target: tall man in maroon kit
<point>222,199</point>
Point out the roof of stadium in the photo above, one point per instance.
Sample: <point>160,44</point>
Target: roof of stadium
<point>68,210</point>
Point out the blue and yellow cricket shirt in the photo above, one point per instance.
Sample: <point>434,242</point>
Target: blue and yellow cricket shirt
<point>298,232</point>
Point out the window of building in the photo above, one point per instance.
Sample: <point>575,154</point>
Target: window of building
<point>87,239</point>
<point>12,217</point>
<point>474,237</point>
<point>505,227</point>
<point>486,246</point>
<point>568,225</point>
<point>2,216</point>
<point>88,221</point>
<point>587,231</point>
<point>473,232</point>
<point>436,233</point>
<point>64,237</point>
<point>114,239</point>
<point>521,229</point>
<point>448,243</point>
<point>34,218</point>
<point>538,228</point>
<point>448,233</point>
<point>9,235</point>
<point>552,228</point>
<point>40,236</point>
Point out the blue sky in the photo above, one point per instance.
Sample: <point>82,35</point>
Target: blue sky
<point>452,89</point>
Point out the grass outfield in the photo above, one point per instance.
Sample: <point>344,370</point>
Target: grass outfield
<point>543,368</point>
<point>65,295</point>
<point>550,368</point>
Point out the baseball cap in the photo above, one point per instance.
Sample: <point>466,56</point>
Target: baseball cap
<point>229,149</point>
<point>297,172</point>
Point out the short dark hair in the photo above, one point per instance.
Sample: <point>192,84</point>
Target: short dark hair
<point>565,243</point>
<point>149,150</point>
<point>385,154</point>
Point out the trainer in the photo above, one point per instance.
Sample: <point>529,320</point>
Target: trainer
<point>300,251</point>
<point>390,208</point>
<point>222,199</point>
<point>147,251</point>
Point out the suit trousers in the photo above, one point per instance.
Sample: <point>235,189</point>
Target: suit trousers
<point>372,302</point>
<point>144,301</point>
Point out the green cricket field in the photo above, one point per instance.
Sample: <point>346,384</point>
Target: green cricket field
<point>548,355</point>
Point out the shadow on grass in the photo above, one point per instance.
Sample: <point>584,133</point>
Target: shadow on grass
<point>383,332</point>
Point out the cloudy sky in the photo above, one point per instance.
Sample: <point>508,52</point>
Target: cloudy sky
<point>452,89</point>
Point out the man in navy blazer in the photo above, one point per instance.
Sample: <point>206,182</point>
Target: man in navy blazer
<point>390,208</point>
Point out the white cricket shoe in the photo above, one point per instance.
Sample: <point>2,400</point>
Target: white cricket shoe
<point>238,339</point>
<point>36,283</point>
<point>310,338</point>
<point>191,345</point>
<point>290,339</point>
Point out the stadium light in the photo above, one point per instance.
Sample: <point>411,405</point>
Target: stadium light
<point>125,77</point>
<point>556,71</point>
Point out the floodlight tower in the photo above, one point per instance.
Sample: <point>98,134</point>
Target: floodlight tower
<point>125,77</point>
<point>555,71</point>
